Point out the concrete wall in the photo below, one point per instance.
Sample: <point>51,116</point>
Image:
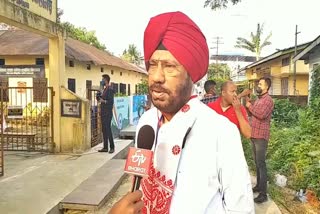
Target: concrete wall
<point>80,73</point>
<point>75,132</point>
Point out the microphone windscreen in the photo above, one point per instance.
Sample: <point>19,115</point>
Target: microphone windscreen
<point>145,137</point>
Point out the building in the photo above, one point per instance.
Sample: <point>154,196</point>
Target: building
<point>235,62</point>
<point>311,56</point>
<point>279,66</point>
<point>24,59</point>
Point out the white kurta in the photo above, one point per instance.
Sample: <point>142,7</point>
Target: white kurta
<point>211,175</point>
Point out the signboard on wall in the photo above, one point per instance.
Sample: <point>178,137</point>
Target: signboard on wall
<point>22,71</point>
<point>15,112</point>
<point>71,108</point>
<point>44,8</point>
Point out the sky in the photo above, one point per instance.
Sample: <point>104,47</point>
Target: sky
<point>119,23</point>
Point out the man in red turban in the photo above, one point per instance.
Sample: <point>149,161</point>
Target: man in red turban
<point>182,38</point>
<point>198,164</point>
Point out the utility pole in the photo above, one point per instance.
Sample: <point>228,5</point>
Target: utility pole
<point>217,42</point>
<point>295,62</point>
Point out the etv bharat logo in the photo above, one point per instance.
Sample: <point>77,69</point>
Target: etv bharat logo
<point>138,157</point>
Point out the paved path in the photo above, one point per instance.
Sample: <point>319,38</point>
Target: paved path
<point>268,207</point>
<point>34,183</point>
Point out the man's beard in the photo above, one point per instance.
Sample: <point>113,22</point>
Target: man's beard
<point>259,90</point>
<point>172,104</point>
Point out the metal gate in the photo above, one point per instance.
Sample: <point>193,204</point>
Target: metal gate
<point>27,118</point>
<point>96,132</point>
<point>1,156</point>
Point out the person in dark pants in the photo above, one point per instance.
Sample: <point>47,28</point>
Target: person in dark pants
<point>106,100</point>
<point>261,112</point>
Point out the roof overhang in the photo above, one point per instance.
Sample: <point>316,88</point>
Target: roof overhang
<point>304,54</point>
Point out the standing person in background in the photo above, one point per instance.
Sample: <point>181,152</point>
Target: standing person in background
<point>106,99</point>
<point>229,106</point>
<point>261,111</point>
<point>210,89</point>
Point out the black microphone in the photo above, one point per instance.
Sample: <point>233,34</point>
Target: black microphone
<point>145,141</point>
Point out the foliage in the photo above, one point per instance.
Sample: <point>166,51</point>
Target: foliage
<point>219,4</point>
<point>315,87</point>
<point>285,113</point>
<point>294,146</point>
<point>142,87</point>
<point>132,55</point>
<point>255,44</point>
<point>80,33</point>
<point>219,73</point>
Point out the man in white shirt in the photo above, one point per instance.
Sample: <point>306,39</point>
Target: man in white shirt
<point>198,164</point>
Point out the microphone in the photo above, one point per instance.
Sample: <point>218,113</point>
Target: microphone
<point>139,159</point>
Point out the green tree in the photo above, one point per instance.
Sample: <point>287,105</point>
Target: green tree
<point>255,43</point>
<point>143,87</point>
<point>219,73</point>
<point>80,33</point>
<point>132,54</point>
<point>83,35</point>
<point>219,4</point>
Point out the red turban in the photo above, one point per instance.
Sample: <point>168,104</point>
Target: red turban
<point>182,37</point>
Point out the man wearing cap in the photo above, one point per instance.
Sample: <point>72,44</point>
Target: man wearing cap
<point>197,168</point>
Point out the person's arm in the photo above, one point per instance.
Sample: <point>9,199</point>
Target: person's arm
<point>262,109</point>
<point>234,177</point>
<point>131,203</point>
<point>241,114</point>
<point>109,97</point>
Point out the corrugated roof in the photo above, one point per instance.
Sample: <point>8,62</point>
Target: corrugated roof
<point>240,58</point>
<point>275,55</point>
<point>20,42</point>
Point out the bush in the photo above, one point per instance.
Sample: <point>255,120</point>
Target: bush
<point>290,148</point>
<point>285,113</point>
<point>294,146</point>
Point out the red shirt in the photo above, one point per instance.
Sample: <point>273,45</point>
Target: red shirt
<point>261,112</point>
<point>229,113</point>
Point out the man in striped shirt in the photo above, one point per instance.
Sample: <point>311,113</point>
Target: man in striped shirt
<point>261,111</point>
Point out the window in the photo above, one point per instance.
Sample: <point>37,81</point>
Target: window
<point>120,73</point>
<point>123,88</point>
<point>284,86</point>
<point>115,87</point>
<point>88,87</point>
<point>40,91</point>
<point>136,89</point>
<point>88,67</point>
<point>285,61</point>
<point>101,70</point>
<point>2,62</point>
<point>72,85</point>
<point>129,92</point>
<point>112,72</point>
<point>4,83</point>
<point>71,63</point>
<point>39,61</point>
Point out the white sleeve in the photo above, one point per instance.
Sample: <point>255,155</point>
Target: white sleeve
<point>233,172</point>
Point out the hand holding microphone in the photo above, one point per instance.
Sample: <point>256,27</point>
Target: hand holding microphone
<point>140,159</point>
<point>131,203</point>
<point>138,164</point>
